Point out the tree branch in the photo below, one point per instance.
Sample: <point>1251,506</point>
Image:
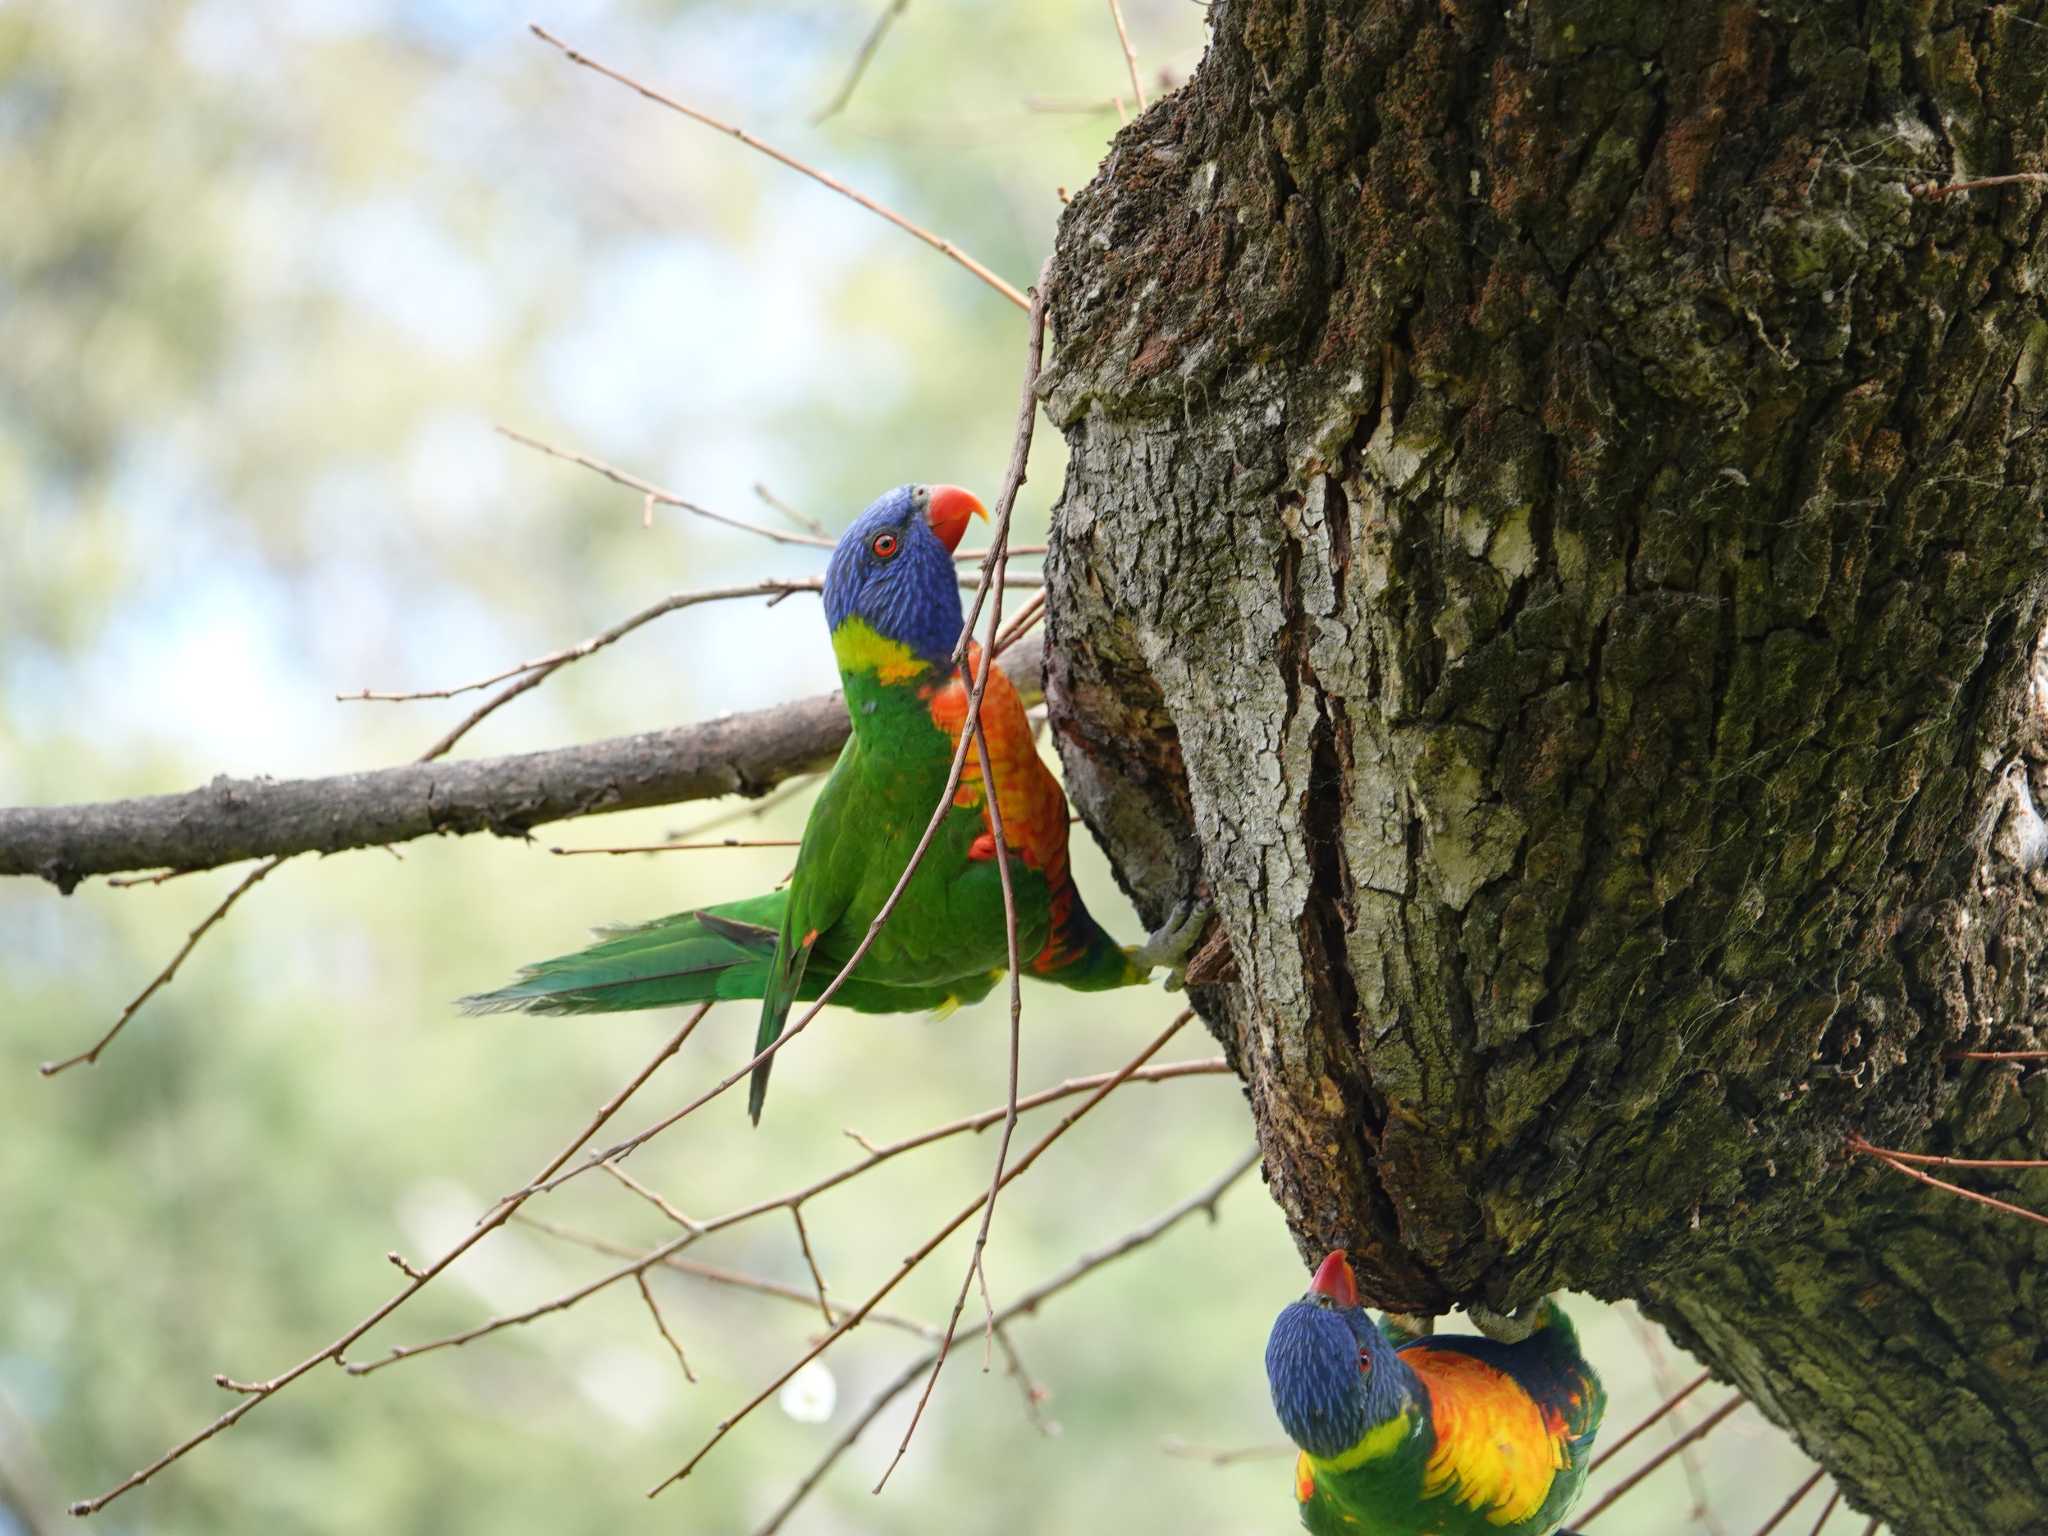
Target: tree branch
<point>235,819</point>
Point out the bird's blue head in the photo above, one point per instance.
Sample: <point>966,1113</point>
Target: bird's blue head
<point>892,572</point>
<point>1335,1377</point>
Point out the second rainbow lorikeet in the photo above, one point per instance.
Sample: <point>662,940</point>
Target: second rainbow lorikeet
<point>892,600</point>
<point>1434,1436</point>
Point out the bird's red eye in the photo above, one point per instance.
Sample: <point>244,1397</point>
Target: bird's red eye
<point>884,545</point>
<point>1365,1360</point>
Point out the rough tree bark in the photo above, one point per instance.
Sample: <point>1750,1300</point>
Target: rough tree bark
<point>1554,540</point>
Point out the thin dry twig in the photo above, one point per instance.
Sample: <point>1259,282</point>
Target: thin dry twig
<point>91,1055</point>
<point>1231,1456</point>
<point>924,1251</point>
<point>654,1310</point>
<point>1698,1432</point>
<point>124,882</point>
<point>1934,191</point>
<point>1101,1083</point>
<point>1929,1159</point>
<point>1655,1414</point>
<point>531,673</point>
<point>1130,55</point>
<point>1857,1144</point>
<point>861,60</point>
<point>258,1392</point>
<point>1998,1055</point>
<point>654,1199</point>
<point>802,520</point>
<point>1027,617</point>
<point>661,495</point>
<point>944,247</point>
<point>1024,1306</point>
<point>723,842</point>
<point>1702,1512</point>
<point>1791,1502</point>
<point>803,1238</point>
<point>1826,1510</point>
<point>716,1276</point>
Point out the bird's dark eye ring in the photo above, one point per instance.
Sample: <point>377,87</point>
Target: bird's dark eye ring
<point>884,546</point>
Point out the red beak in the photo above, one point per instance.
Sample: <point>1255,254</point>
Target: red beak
<point>949,509</point>
<point>1335,1280</point>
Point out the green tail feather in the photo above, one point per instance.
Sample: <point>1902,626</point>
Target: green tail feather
<point>690,957</point>
<point>785,980</point>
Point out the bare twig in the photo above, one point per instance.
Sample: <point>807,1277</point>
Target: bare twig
<point>1020,626</point>
<point>988,1210</point>
<point>653,1199</point>
<point>1211,1066</point>
<point>1857,1144</point>
<point>1077,105</point>
<point>163,977</point>
<point>1826,1510</point>
<point>1130,55</point>
<point>1702,1513</point>
<point>1024,1306</point>
<point>715,1276</point>
<point>654,1310</point>
<point>724,842</point>
<point>540,668</point>
<point>1100,1084</point>
<point>861,60</point>
<point>802,520</point>
<point>922,1252</point>
<point>1928,1159</point>
<point>258,1392</point>
<point>1791,1502</point>
<point>1173,1445</point>
<point>944,247</point>
<point>1669,1403</point>
<point>803,1238</point>
<point>659,494</point>
<point>1013,474</point>
<point>1998,1055</point>
<point>1699,1431</point>
<point>1934,191</point>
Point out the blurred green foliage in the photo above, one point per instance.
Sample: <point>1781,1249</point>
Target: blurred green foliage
<point>268,274</point>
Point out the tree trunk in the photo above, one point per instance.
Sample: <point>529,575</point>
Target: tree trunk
<point>1554,540</point>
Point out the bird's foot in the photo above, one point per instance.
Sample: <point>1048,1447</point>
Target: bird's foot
<point>1174,942</point>
<point>1507,1327</point>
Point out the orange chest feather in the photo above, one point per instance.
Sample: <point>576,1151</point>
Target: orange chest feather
<point>1496,1450</point>
<point>1034,809</point>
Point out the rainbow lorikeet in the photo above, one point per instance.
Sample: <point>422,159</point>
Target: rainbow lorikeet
<point>1434,1436</point>
<point>892,599</point>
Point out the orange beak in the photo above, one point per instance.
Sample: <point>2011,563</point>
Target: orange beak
<point>1335,1280</point>
<point>949,509</point>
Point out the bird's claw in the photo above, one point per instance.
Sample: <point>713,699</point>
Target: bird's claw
<point>1507,1327</point>
<point>1175,941</point>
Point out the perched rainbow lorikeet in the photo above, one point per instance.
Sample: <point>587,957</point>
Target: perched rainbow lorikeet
<point>1434,1436</point>
<point>892,599</point>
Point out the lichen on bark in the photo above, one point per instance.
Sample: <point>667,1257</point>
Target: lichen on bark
<point>1554,542</point>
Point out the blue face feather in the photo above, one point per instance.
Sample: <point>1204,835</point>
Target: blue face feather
<point>893,572</point>
<point>1334,1375</point>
